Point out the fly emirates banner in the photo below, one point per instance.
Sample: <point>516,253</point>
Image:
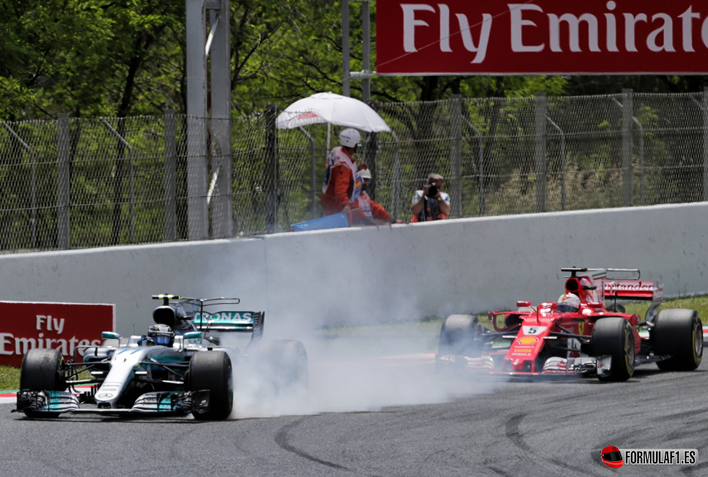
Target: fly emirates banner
<point>541,37</point>
<point>67,327</point>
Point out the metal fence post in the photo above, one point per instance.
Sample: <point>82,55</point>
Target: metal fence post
<point>221,207</point>
<point>455,155</point>
<point>197,207</point>
<point>170,137</point>
<point>313,170</point>
<point>396,177</point>
<point>345,49</point>
<point>540,151</point>
<point>627,147</point>
<point>480,180</point>
<point>63,182</point>
<point>705,143</point>
<point>131,175</point>
<point>562,157</point>
<point>271,168</point>
<point>33,182</point>
<point>370,158</point>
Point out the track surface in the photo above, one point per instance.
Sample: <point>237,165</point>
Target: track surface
<point>498,428</point>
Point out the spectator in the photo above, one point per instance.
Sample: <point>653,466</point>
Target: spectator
<point>431,203</point>
<point>340,175</point>
<point>369,211</point>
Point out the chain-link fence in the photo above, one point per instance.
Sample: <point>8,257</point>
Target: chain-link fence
<point>74,183</point>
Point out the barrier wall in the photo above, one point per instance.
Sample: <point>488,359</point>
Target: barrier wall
<point>364,275</point>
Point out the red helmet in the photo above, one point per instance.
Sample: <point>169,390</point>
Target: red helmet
<point>612,457</point>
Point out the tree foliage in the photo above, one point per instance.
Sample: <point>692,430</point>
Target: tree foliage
<point>127,57</point>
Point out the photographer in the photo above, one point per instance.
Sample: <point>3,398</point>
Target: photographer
<point>431,203</point>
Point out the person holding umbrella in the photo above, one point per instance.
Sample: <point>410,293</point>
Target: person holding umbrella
<point>341,186</point>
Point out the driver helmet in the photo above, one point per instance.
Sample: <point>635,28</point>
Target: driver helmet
<point>349,138</point>
<point>161,335</point>
<point>568,303</point>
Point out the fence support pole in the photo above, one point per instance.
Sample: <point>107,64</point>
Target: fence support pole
<point>627,147</point>
<point>170,176</point>
<point>271,169</point>
<point>222,224</point>
<point>705,143</point>
<point>370,148</point>
<point>197,208</point>
<point>540,151</point>
<point>641,160</point>
<point>396,177</point>
<point>33,183</point>
<point>480,182</point>
<point>562,165</point>
<point>313,167</point>
<point>366,54</point>
<point>455,155</point>
<point>345,49</point>
<point>63,182</point>
<point>131,177</point>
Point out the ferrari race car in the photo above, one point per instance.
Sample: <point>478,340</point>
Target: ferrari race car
<point>593,338</point>
<point>178,368</point>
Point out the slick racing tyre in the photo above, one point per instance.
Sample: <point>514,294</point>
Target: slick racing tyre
<point>286,362</point>
<point>459,335</point>
<point>211,370</point>
<point>678,333</point>
<point>42,370</point>
<point>613,336</point>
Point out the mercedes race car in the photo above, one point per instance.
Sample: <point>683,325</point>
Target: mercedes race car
<point>586,333</point>
<point>178,367</point>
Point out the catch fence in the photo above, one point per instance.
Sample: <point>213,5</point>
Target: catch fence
<point>74,182</point>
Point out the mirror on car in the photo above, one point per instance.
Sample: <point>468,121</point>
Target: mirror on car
<point>109,335</point>
<point>193,335</point>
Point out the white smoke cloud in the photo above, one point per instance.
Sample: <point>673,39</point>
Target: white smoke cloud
<point>355,371</point>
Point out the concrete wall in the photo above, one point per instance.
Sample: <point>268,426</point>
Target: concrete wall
<point>363,275</point>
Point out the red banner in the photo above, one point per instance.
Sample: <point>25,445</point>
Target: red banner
<point>63,326</point>
<point>416,37</point>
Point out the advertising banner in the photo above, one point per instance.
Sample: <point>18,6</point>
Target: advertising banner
<point>418,37</point>
<point>63,326</point>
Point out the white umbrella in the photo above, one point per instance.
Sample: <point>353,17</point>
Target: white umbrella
<point>334,109</point>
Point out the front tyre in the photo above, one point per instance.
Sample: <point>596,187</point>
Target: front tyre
<point>678,333</point>
<point>613,336</point>
<point>42,370</point>
<point>459,335</point>
<point>211,370</point>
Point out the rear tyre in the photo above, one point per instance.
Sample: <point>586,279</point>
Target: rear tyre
<point>211,370</point>
<point>678,333</point>
<point>460,335</point>
<point>42,370</point>
<point>286,362</point>
<point>613,336</point>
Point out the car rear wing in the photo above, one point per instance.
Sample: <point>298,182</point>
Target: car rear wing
<point>211,314</point>
<point>244,321</point>
<point>645,290</point>
<point>633,290</point>
<point>623,284</point>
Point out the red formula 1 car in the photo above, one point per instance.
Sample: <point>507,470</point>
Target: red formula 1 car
<point>586,333</point>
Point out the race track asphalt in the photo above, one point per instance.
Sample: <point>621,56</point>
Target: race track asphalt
<point>433,427</point>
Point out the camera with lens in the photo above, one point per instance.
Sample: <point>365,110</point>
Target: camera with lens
<point>432,190</point>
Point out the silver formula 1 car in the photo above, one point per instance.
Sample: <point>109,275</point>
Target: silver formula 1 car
<point>178,367</point>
